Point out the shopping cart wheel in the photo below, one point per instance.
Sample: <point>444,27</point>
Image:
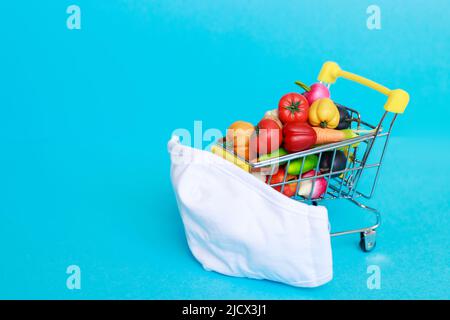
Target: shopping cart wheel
<point>368,240</point>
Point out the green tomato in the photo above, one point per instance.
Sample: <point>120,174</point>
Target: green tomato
<point>296,165</point>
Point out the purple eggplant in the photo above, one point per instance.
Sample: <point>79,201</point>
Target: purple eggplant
<point>345,118</point>
<point>340,162</point>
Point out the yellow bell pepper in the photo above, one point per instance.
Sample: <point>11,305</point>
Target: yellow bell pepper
<point>324,113</point>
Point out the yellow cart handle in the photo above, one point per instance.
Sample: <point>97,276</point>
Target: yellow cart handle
<point>397,99</point>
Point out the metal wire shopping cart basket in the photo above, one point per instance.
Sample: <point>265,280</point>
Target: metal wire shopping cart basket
<point>345,183</point>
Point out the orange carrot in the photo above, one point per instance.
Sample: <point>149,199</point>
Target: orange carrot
<point>325,135</point>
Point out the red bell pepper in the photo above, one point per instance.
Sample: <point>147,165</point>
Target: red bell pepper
<point>298,136</point>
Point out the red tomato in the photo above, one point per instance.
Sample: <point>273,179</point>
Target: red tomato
<point>267,137</point>
<point>293,107</point>
<point>298,136</point>
<point>289,188</point>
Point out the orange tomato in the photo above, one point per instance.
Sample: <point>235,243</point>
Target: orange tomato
<point>239,134</point>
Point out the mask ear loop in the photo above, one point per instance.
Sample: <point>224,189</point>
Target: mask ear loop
<point>174,141</point>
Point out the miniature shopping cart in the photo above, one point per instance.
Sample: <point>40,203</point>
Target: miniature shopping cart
<point>345,183</point>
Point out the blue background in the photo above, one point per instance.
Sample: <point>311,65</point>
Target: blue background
<point>85,116</point>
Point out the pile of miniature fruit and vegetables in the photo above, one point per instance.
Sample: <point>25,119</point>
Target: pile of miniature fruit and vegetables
<point>300,122</point>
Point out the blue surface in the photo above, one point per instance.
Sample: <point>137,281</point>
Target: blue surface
<point>85,116</point>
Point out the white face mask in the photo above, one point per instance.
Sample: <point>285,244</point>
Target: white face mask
<point>239,226</point>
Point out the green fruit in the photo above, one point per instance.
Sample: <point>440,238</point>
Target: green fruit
<point>296,165</point>
<point>276,154</point>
